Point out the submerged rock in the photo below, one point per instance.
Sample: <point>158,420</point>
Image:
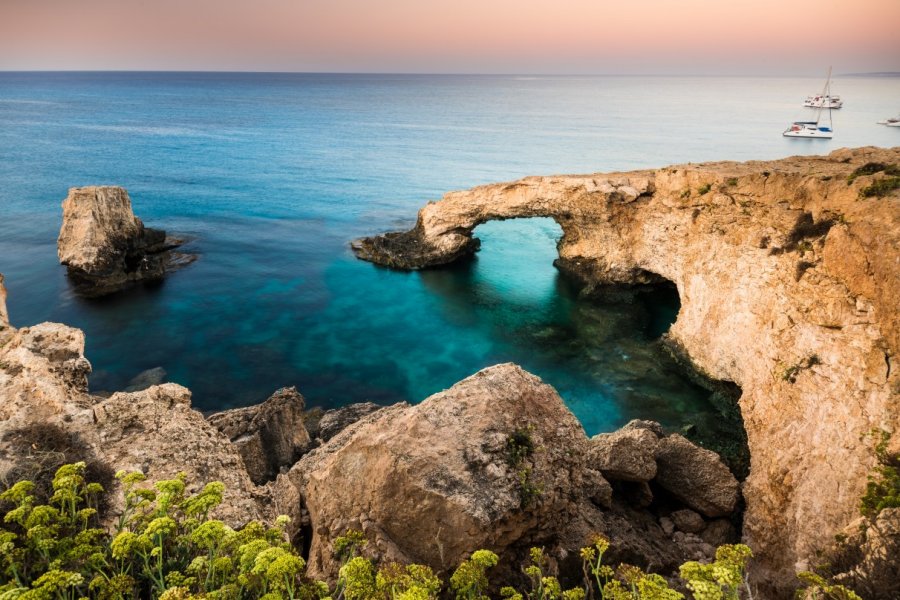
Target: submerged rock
<point>105,247</point>
<point>270,436</point>
<point>146,379</point>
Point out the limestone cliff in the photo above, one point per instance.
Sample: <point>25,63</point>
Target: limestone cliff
<point>789,278</point>
<point>105,247</point>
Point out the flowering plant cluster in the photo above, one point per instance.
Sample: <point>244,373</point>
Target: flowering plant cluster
<point>165,546</point>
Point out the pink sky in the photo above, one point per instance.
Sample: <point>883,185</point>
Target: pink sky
<point>568,36</point>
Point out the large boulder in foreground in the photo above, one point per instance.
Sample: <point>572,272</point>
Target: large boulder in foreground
<point>106,247</point>
<point>270,436</point>
<point>484,464</point>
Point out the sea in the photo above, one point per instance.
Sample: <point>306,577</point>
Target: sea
<point>270,176</point>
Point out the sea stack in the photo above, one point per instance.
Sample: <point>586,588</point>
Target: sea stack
<point>106,247</point>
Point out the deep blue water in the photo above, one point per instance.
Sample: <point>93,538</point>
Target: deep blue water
<point>271,176</point>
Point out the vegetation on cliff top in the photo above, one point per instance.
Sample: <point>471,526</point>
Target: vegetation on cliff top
<point>165,546</point>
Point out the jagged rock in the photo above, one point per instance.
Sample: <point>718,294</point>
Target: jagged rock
<point>173,437</point>
<point>432,482</point>
<point>146,379</point>
<point>696,476</point>
<point>730,236</point>
<point>270,436</point>
<point>105,247</point>
<point>627,455</point>
<point>688,521</point>
<point>332,422</point>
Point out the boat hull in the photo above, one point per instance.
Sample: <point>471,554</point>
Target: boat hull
<point>809,133</point>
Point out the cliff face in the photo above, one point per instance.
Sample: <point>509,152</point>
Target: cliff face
<point>106,247</point>
<point>789,282</point>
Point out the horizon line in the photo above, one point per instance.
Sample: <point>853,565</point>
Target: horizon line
<point>433,74</point>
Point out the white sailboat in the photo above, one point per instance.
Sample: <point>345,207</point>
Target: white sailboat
<point>817,128</point>
<point>825,99</point>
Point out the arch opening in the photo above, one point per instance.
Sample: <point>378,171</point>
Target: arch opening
<point>605,349</point>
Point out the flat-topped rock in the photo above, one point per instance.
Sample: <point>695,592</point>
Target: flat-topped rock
<point>106,247</point>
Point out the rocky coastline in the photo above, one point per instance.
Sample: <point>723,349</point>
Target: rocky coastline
<point>788,278</point>
<point>106,248</point>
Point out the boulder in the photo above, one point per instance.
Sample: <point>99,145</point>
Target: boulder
<point>625,455</point>
<point>696,476</point>
<point>688,521</point>
<point>157,432</point>
<point>105,247</point>
<point>485,464</point>
<point>270,436</point>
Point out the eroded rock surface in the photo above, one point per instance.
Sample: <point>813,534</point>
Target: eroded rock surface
<point>789,283</point>
<point>270,436</point>
<point>106,247</point>
<point>628,454</point>
<point>497,461</point>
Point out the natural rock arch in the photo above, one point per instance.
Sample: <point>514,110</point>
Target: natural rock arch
<point>788,285</point>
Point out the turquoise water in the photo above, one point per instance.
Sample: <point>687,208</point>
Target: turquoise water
<point>270,176</point>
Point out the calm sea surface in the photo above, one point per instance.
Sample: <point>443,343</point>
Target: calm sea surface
<point>271,176</point>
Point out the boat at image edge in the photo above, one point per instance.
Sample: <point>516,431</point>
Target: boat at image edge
<point>815,129</point>
<point>892,122</point>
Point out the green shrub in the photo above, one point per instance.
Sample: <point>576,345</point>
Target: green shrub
<point>704,189</point>
<point>163,546</point>
<point>883,487</point>
<point>881,187</point>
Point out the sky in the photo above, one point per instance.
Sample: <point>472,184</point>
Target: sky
<point>455,36</point>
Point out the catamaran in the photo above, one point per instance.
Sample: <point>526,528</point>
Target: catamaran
<point>825,99</point>
<point>817,128</point>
